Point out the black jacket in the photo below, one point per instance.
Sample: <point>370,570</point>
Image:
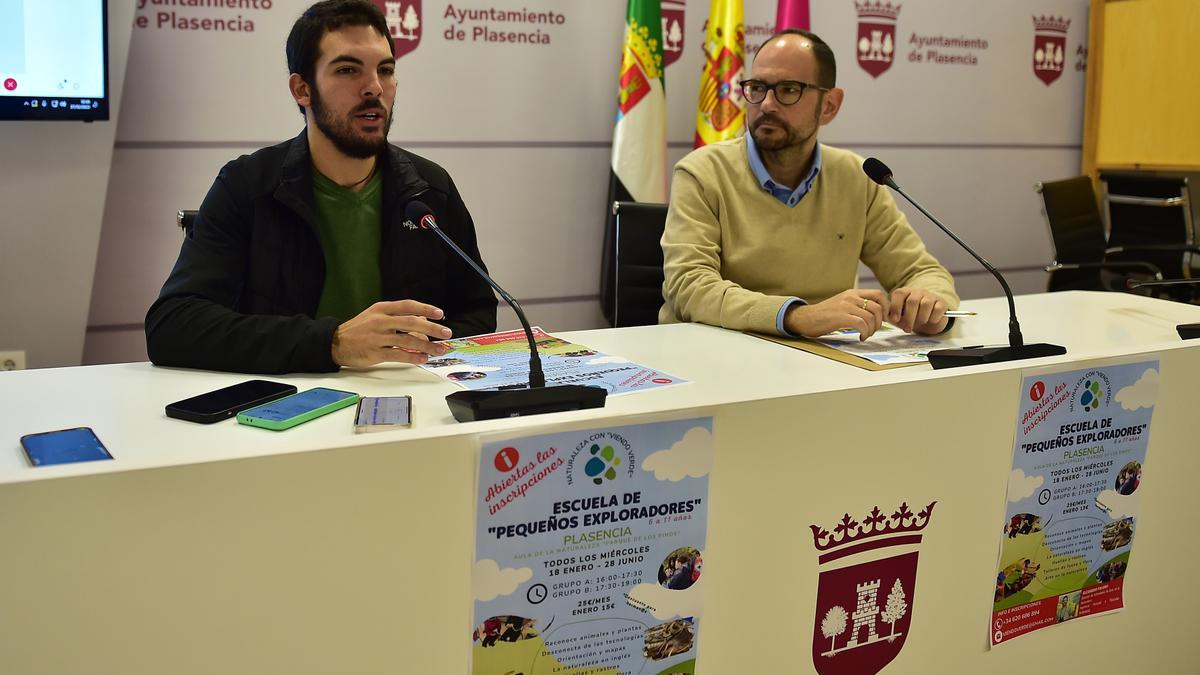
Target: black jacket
<point>243,294</point>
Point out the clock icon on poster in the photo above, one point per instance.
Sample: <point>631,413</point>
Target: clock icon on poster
<point>536,594</point>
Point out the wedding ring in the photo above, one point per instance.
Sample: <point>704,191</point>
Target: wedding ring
<point>864,305</point>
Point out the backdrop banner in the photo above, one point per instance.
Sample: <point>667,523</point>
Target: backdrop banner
<point>516,99</point>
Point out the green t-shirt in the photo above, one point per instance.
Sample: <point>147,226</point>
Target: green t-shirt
<point>349,224</point>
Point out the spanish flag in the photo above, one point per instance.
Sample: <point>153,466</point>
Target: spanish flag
<point>721,107</point>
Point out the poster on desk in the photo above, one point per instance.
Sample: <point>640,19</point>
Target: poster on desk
<point>589,550</point>
<point>499,361</point>
<point>1072,509</point>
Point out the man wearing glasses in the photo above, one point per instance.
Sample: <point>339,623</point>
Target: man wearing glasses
<point>765,232</point>
<point>300,259</point>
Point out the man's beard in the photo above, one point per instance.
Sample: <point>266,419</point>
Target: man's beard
<point>341,132</point>
<point>791,138</point>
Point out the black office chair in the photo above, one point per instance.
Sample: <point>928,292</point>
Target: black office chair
<point>638,274</point>
<point>185,219</point>
<point>1152,215</point>
<point>1083,258</point>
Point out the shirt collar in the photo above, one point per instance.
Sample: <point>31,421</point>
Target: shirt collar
<point>783,193</point>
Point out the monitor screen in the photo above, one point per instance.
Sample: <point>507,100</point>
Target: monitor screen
<point>53,60</point>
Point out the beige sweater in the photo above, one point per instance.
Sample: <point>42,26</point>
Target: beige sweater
<point>734,254</point>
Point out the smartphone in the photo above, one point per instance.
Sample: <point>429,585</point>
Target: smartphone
<point>226,402</point>
<point>382,413</point>
<point>63,447</point>
<point>289,411</point>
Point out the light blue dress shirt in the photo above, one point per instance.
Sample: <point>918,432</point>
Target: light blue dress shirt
<point>785,194</point>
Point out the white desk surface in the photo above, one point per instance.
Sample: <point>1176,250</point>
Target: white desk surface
<point>339,552</point>
<point>124,403</point>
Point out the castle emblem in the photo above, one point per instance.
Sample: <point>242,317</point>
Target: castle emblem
<point>673,30</point>
<point>403,22</point>
<point>1049,45</point>
<point>864,609</point>
<point>876,45</point>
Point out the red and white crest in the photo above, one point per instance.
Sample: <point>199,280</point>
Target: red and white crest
<point>1049,47</point>
<point>673,30</point>
<point>404,22</point>
<point>864,609</point>
<point>876,43</point>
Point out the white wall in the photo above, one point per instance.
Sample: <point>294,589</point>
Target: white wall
<point>53,181</point>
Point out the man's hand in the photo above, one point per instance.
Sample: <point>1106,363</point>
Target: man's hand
<point>916,310</point>
<point>397,331</point>
<point>860,309</point>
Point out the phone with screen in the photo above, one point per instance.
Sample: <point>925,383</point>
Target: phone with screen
<point>221,404</point>
<point>382,413</point>
<point>65,446</point>
<point>289,411</point>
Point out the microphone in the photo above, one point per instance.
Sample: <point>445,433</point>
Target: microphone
<point>1138,283</point>
<point>468,406</point>
<point>967,356</point>
<point>1187,331</point>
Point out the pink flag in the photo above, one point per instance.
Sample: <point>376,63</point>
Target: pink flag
<point>791,14</point>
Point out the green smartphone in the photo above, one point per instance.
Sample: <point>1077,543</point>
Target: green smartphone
<point>289,411</point>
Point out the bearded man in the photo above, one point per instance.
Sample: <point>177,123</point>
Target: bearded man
<point>765,232</point>
<point>299,259</point>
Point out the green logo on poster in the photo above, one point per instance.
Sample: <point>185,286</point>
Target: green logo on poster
<point>1091,395</point>
<point>1092,391</point>
<point>603,464</point>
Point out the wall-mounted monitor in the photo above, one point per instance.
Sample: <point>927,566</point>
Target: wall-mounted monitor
<point>54,60</point>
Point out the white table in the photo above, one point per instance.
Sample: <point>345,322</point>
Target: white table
<point>206,549</point>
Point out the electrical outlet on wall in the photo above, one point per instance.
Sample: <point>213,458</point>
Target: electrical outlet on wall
<point>13,359</point>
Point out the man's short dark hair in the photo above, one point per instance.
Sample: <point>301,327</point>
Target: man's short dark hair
<point>826,63</point>
<point>304,42</point>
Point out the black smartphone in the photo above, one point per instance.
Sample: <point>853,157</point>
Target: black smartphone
<point>224,403</point>
<point>63,447</point>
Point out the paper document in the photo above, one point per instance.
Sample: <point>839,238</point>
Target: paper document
<point>888,345</point>
<point>501,361</point>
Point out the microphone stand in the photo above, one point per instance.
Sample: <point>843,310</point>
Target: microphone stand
<point>469,406</point>
<point>968,356</point>
<point>1187,331</point>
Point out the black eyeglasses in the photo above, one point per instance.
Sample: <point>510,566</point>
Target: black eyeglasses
<point>787,92</point>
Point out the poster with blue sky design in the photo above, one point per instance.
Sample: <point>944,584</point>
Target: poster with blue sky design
<point>1072,510</point>
<point>589,550</point>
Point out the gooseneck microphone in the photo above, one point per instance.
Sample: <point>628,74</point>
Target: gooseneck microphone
<point>467,406</point>
<point>418,212</point>
<point>1187,331</point>
<point>966,356</point>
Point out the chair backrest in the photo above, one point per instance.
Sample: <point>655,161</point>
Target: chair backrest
<point>639,262</point>
<point>1077,231</point>
<point>185,219</point>
<point>1150,210</point>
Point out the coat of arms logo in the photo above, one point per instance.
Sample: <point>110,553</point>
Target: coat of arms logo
<point>403,22</point>
<point>864,609</point>
<point>673,27</point>
<point>1049,45</point>
<point>876,42</point>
